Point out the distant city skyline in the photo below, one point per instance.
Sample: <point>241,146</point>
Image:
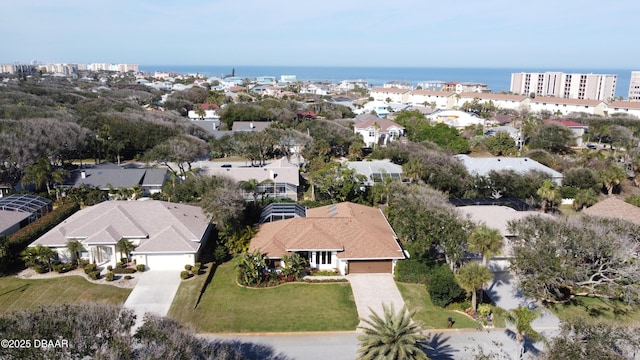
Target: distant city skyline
<point>407,33</point>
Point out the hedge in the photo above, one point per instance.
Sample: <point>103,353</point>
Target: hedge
<point>19,240</point>
<point>124,270</point>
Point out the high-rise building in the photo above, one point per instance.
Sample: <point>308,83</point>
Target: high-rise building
<point>572,86</point>
<point>634,86</point>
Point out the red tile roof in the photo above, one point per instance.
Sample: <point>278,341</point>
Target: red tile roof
<point>567,123</point>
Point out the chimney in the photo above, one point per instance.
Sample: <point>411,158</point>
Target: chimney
<point>83,174</point>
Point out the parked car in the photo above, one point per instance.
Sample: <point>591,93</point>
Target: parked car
<point>591,146</point>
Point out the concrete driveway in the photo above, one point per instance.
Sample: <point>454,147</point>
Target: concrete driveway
<point>504,292</point>
<point>370,291</point>
<point>153,293</point>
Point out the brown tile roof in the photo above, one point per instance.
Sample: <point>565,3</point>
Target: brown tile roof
<point>615,208</point>
<point>390,90</point>
<point>432,93</point>
<point>559,100</point>
<point>384,124</point>
<point>625,104</point>
<point>355,231</point>
<point>493,96</point>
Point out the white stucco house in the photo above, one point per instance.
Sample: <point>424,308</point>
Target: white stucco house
<point>167,235</point>
<point>456,118</point>
<point>377,131</point>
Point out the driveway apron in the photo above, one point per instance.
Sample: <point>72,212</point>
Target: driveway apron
<point>370,291</point>
<point>153,293</point>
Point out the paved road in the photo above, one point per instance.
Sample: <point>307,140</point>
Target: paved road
<point>445,344</point>
<point>370,291</point>
<point>153,293</point>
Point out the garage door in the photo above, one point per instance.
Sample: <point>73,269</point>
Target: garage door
<point>167,262</point>
<point>369,266</point>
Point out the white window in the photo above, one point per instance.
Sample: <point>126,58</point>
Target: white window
<point>323,257</point>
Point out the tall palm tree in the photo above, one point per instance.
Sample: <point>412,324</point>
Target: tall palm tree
<point>125,246</point>
<point>522,317</point>
<point>74,247</point>
<point>472,277</point>
<point>549,195</point>
<point>486,241</point>
<point>391,336</point>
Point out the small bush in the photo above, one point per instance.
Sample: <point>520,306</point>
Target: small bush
<point>188,267</point>
<point>110,276</point>
<point>124,260</point>
<point>119,265</point>
<point>184,275</point>
<point>128,277</point>
<point>109,268</point>
<point>90,268</point>
<point>62,268</point>
<point>442,286</point>
<point>94,275</point>
<point>412,271</point>
<point>140,267</point>
<point>196,268</point>
<point>40,269</point>
<point>124,271</point>
<point>83,263</point>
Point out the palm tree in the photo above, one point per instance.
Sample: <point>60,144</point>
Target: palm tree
<point>74,247</point>
<point>125,246</point>
<point>549,194</point>
<point>486,241</point>
<point>472,277</point>
<point>392,336</point>
<point>522,317</point>
<point>612,176</point>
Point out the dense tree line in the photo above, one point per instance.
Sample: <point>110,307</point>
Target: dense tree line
<point>104,332</point>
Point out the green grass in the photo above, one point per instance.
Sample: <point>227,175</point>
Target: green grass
<point>228,307</point>
<point>428,315</point>
<point>21,294</point>
<point>597,308</point>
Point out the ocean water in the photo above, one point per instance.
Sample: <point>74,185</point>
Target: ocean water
<point>497,79</point>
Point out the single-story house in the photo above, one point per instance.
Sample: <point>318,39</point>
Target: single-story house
<point>19,210</point>
<point>166,235</point>
<point>615,208</point>
<point>376,170</point>
<point>456,118</point>
<point>350,238</point>
<point>578,129</point>
<point>521,165</point>
<point>108,176</point>
<point>279,178</point>
<point>498,217</point>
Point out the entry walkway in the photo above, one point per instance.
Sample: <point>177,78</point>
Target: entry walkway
<point>153,293</point>
<point>370,291</point>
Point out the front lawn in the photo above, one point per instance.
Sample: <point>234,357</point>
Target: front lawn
<point>23,294</point>
<point>429,316</point>
<point>227,307</point>
<point>597,308</point>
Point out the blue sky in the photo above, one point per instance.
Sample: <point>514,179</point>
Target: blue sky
<point>463,33</point>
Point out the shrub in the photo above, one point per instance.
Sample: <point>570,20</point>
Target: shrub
<point>124,260</point>
<point>40,269</point>
<point>110,276</point>
<point>90,268</point>
<point>412,271</point>
<point>128,277</point>
<point>140,267</point>
<point>19,240</point>
<point>568,192</point>
<point>442,286</point>
<point>188,267</point>
<point>62,268</point>
<point>220,254</point>
<point>109,268</point>
<point>119,265</point>
<point>184,275</point>
<point>196,268</point>
<point>124,271</point>
<point>83,263</point>
<point>95,275</point>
